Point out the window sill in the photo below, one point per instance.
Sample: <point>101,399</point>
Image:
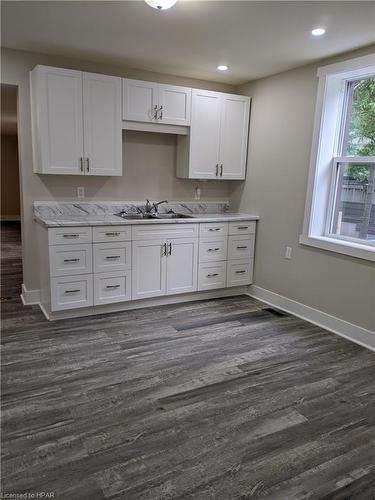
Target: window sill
<point>339,246</point>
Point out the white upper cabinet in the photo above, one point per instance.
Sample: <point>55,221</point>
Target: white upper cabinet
<point>57,120</point>
<point>156,103</point>
<point>76,122</point>
<point>217,146</point>
<point>205,135</point>
<point>140,100</point>
<point>174,105</point>
<point>233,136</point>
<point>102,124</point>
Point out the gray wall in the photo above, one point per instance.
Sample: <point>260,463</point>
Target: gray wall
<point>149,159</point>
<point>282,118</point>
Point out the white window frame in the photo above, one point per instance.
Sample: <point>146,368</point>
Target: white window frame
<point>325,151</point>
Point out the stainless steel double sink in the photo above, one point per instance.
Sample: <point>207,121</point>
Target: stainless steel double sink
<point>148,216</point>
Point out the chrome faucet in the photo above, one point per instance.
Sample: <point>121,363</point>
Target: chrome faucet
<point>149,207</point>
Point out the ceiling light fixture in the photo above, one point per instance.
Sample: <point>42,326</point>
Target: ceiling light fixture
<point>161,4</point>
<point>222,67</point>
<point>318,31</point>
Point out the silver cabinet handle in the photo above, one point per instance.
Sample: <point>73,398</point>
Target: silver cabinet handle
<point>242,227</point>
<point>213,249</point>
<point>242,248</point>
<point>214,228</point>
<point>212,275</point>
<point>221,170</point>
<point>110,257</point>
<point>81,164</point>
<point>240,272</point>
<point>112,234</point>
<point>217,169</point>
<point>164,247</point>
<point>155,116</point>
<point>71,260</point>
<point>113,286</point>
<point>72,291</point>
<point>70,235</point>
<point>88,164</point>
<point>161,113</point>
<point>170,249</point>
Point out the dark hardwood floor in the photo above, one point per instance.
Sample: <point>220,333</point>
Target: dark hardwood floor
<point>220,399</point>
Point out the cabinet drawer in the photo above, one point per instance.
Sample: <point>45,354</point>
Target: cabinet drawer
<point>208,229</point>
<point>112,287</point>
<point>70,259</point>
<point>239,272</point>
<point>112,256</point>
<point>213,250</point>
<point>212,275</point>
<point>67,236</point>
<point>108,234</point>
<point>71,292</point>
<point>240,247</point>
<point>169,230</point>
<point>245,227</point>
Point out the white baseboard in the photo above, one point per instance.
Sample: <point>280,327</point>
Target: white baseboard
<point>357,334</point>
<point>30,297</point>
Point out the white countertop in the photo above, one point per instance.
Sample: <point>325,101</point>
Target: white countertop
<point>114,220</point>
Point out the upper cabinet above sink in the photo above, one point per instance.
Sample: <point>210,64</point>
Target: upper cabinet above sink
<point>156,103</point>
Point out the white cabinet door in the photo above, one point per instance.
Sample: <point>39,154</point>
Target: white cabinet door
<point>102,124</point>
<point>233,136</point>
<point>174,105</point>
<point>149,268</point>
<point>204,134</point>
<point>182,265</point>
<point>140,100</point>
<point>57,121</point>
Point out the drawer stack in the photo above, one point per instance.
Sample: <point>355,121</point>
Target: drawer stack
<point>226,253</point>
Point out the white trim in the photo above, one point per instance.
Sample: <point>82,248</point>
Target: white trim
<point>351,248</point>
<point>330,98</point>
<point>357,334</point>
<point>29,297</point>
<point>142,303</point>
<point>155,127</point>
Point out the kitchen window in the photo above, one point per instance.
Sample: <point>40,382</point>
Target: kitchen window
<point>340,207</point>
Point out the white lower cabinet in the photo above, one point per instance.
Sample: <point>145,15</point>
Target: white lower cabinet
<point>70,292</point>
<point>164,267</point>
<point>123,263</point>
<point>212,275</point>
<point>239,272</point>
<point>112,287</point>
<point>149,268</point>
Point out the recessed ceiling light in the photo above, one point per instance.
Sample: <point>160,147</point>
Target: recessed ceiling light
<point>222,67</point>
<point>318,31</point>
<point>161,4</point>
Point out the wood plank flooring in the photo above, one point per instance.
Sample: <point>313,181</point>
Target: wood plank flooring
<point>219,399</point>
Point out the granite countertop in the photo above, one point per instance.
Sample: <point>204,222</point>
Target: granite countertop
<point>112,220</point>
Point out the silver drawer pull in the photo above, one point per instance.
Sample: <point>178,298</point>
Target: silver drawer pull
<point>212,275</point>
<point>70,235</point>
<point>113,286</point>
<point>109,257</point>
<point>72,291</point>
<point>242,248</point>
<point>112,234</point>
<point>240,272</point>
<point>242,227</point>
<point>214,228</point>
<point>213,249</point>
<point>72,260</point>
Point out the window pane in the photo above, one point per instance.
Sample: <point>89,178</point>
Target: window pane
<point>354,206</point>
<point>359,137</point>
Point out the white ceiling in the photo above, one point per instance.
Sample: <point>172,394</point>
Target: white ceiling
<point>254,38</point>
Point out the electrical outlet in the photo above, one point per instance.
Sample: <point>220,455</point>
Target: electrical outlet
<point>80,193</point>
<point>288,253</point>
